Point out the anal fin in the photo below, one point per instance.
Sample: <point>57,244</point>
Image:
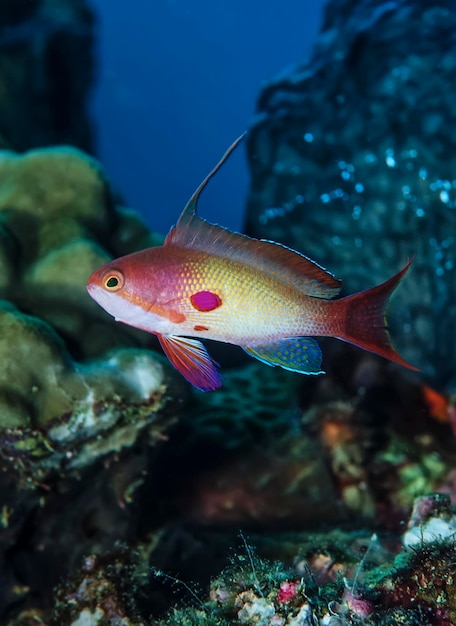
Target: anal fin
<point>192,360</point>
<point>297,354</point>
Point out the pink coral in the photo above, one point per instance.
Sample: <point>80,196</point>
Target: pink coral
<point>359,606</point>
<point>287,591</point>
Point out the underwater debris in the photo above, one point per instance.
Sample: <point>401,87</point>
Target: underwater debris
<point>99,593</point>
<point>350,160</point>
<point>432,519</point>
<point>256,591</point>
<point>422,581</point>
<point>29,617</point>
<point>384,586</point>
<point>251,592</point>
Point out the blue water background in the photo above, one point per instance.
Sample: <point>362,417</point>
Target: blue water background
<point>177,83</point>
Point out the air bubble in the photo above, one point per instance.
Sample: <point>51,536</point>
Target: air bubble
<point>389,157</point>
<point>356,212</point>
<point>370,158</point>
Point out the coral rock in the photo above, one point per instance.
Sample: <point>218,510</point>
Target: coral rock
<point>46,71</point>
<point>351,163</point>
<point>82,403</point>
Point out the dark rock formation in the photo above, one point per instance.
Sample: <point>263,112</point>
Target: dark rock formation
<point>46,71</point>
<point>353,163</point>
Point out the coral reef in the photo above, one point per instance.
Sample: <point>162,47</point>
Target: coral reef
<point>122,491</point>
<point>83,404</point>
<point>59,221</point>
<point>46,70</point>
<point>99,593</point>
<point>357,445</point>
<point>352,163</point>
<point>333,585</point>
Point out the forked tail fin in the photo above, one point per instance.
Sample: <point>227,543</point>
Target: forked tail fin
<point>363,321</point>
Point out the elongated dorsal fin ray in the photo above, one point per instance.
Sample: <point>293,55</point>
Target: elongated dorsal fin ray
<point>288,265</point>
<point>189,212</point>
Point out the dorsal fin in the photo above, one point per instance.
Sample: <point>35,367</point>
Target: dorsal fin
<point>179,233</point>
<point>287,265</point>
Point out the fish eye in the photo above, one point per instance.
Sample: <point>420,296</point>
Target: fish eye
<point>113,280</point>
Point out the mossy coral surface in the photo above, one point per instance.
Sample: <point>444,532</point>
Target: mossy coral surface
<point>59,222</point>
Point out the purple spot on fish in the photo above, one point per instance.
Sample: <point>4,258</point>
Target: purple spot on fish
<point>205,301</point>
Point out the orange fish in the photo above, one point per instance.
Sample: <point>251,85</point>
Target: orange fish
<point>437,403</point>
<point>210,283</point>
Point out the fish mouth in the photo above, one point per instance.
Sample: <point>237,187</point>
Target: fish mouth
<point>100,296</point>
<point>97,293</point>
<point>130,313</point>
<point>121,310</point>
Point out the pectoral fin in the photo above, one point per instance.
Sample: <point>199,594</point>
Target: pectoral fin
<point>192,360</point>
<point>297,354</point>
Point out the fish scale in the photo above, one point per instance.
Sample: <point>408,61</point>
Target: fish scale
<point>252,303</point>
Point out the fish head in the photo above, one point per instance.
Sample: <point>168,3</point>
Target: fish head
<point>109,287</point>
<point>130,289</point>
